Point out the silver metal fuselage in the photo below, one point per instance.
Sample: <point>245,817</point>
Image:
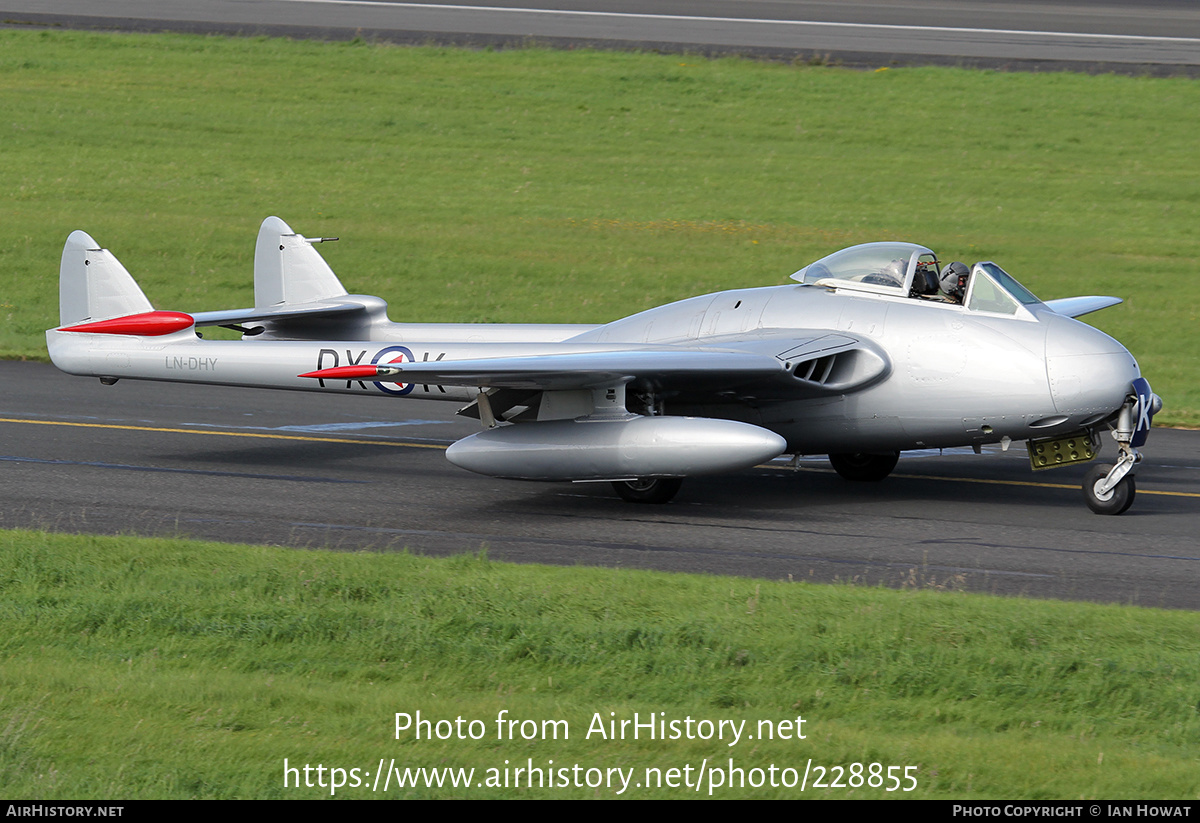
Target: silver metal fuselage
<point>904,373</point>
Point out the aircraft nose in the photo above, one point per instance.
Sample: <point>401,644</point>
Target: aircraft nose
<point>1089,372</point>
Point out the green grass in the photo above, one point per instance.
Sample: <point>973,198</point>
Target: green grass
<point>153,668</point>
<point>532,185</point>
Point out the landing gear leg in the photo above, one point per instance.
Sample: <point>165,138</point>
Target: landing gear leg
<point>648,490</point>
<point>1110,489</point>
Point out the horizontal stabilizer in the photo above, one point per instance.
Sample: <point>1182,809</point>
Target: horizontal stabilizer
<point>1079,306</point>
<point>286,312</point>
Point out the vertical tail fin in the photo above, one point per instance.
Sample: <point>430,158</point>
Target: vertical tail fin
<point>93,285</point>
<point>287,269</point>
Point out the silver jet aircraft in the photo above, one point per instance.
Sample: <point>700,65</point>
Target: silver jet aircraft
<point>874,349</point>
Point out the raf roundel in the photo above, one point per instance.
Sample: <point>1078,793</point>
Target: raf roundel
<point>393,354</point>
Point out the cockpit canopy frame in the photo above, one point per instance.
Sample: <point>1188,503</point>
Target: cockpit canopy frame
<point>910,270</point>
<point>995,291</point>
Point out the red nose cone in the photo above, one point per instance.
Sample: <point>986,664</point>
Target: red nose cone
<point>148,324</point>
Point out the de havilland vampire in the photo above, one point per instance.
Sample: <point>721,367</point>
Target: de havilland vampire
<point>875,349</point>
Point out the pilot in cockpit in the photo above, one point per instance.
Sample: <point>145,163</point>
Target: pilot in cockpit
<point>954,281</point>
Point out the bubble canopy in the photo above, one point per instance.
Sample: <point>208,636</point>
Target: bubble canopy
<point>904,269</point>
<point>887,267</point>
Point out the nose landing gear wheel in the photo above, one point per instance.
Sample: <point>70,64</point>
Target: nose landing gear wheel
<point>1116,500</point>
<point>648,490</point>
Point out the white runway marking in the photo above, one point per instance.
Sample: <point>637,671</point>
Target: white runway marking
<point>1125,38</point>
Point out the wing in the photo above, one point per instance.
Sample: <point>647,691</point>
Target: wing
<point>578,370</point>
<point>752,368</point>
<point>1079,306</point>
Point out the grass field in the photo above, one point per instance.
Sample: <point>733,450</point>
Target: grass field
<point>154,668</point>
<point>549,186</point>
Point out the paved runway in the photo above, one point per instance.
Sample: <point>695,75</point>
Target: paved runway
<point>1159,36</point>
<point>314,471</point>
<point>309,470</point>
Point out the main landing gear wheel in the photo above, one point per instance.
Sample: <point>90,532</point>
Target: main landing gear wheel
<point>869,468</point>
<point>1116,500</point>
<point>649,489</point>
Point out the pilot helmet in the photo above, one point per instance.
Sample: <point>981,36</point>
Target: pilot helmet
<point>954,279</point>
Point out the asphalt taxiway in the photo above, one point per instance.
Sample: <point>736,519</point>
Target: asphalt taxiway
<point>318,471</point>
<point>1153,36</point>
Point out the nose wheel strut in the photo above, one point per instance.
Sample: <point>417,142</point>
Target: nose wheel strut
<point>1111,489</point>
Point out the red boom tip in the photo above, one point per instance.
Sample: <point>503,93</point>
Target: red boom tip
<point>148,324</point>
<point>344,373</point>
